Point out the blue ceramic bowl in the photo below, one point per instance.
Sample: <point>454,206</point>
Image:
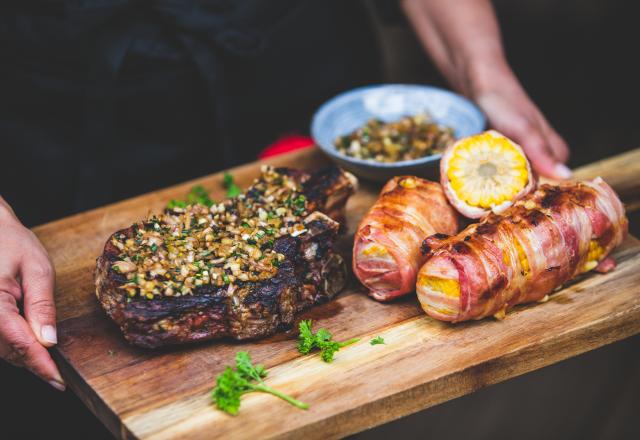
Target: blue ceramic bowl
<point>351,110</point>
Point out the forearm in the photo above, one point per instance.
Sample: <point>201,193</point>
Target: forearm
<point>463,39</point>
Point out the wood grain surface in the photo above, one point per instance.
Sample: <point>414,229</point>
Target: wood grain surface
<point>140,393</point>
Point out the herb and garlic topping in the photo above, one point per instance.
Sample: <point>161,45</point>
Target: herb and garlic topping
<point>196,245</point>
<point>409,138</point>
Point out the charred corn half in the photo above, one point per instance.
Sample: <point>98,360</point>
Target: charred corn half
<point>485,172</point>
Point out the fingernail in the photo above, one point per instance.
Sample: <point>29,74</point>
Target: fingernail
<point>562,171</point>
<point>57,385</point>
<point>48,333</point>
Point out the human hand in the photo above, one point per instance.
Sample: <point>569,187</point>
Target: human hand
<point>27,278</point>
<point>463,39</point>
<point>511,112</point>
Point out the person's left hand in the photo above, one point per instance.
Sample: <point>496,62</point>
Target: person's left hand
<point>511,112</point>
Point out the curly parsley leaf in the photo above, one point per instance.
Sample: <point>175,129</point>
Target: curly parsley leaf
<point>322,336</point>
<point>197,195</point>
<point>245,378</point>
<point>229,387</point>
<point>174,203</point>
<point>377,340</point>
<point>306,339</point>
<point>322,340</point>
<point>247,369</point>
<point>329,348</point>
<point>232,189</point>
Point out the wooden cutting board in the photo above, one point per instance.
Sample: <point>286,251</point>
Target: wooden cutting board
<point>165,394</point>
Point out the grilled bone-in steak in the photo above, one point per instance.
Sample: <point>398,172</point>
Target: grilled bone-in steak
<point>240,269</point>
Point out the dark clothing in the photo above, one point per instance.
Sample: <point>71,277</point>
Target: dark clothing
<point>102,100</point>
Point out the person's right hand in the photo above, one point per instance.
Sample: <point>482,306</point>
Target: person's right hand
<point>27,278</point>
<point>512,113</point>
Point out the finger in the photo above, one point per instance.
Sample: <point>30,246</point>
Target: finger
<point>8,284</point>
<point>537,149</point>
<point>8,272</point>
<point>19,345</point>
<point>38,278</point>
<point>558,145</point>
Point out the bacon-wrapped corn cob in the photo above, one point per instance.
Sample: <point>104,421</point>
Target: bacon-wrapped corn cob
<point>541,242</point>
<point>386,251</point>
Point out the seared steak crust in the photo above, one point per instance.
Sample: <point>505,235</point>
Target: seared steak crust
<point>311,273</point>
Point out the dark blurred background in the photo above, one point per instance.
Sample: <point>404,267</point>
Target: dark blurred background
<point>577,59</point>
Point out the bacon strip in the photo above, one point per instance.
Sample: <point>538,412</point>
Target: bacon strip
<point>386,251</point>
<point>533,248</point>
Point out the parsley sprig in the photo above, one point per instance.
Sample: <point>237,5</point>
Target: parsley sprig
<point>322,340</point>
<point>377,340</point>
<point>245,378</point>
<point>232,189</point>
<point>197,195</point>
